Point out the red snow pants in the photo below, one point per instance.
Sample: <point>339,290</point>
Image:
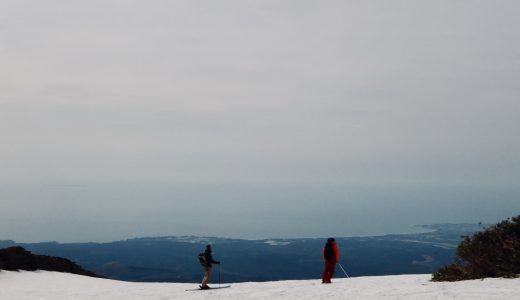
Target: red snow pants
<point>328,271</point>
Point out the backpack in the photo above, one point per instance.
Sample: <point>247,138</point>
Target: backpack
<point>329,251</point>
<point>202,259</point>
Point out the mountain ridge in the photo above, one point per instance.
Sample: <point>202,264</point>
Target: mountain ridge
<point>173,259</point>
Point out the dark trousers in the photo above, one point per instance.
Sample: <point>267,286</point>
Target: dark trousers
<point>328,271</point>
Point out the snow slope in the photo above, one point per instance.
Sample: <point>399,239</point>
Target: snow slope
<point>43,285</point>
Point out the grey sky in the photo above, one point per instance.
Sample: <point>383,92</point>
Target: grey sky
<point>129,114</point>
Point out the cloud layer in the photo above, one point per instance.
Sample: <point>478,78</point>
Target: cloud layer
<point>107,95</point>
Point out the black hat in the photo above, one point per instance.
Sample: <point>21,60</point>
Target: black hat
<point>330,240</point>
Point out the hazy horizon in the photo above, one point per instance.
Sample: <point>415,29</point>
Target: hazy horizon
<point>374,211</point>
<point>256,119</point>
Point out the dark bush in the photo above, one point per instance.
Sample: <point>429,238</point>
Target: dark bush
<point>17,258</point>
<point>494,252</point>
<point>453,272</point>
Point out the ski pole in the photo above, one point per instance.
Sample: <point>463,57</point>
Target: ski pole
<point>219,275</point>
<point>343,270</point>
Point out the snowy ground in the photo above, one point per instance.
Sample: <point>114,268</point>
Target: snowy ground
<point>54,286</point>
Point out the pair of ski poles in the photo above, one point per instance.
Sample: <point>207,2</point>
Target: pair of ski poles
<point>219,275</point>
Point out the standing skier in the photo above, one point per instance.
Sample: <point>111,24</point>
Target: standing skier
<point>208,262</point>
<point>331,256</point>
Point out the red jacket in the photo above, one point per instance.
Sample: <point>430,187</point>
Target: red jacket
<point>335,249</point>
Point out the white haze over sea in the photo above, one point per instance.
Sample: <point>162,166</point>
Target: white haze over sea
<point>256,119</point>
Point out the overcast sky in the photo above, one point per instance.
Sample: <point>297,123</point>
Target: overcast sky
<point>130,118</point>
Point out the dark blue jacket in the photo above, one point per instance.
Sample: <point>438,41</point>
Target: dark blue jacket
<point>209,259</point>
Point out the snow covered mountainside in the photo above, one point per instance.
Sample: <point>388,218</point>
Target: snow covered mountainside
<point>43,285</point>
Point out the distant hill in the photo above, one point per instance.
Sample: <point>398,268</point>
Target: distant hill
<point>173,259</point>
<point>17,258</point>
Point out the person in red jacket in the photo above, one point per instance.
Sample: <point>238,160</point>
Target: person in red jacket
<point>331,256</point>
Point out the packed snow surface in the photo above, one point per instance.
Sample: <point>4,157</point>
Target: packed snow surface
<point>43,285</point>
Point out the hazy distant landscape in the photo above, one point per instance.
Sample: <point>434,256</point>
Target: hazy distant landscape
<point>173,259</point>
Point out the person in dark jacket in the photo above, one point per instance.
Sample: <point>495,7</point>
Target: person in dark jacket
<point>331,257</point>
<point>208,258</point>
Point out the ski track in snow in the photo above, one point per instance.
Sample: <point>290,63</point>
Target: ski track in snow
<point>43,285</point>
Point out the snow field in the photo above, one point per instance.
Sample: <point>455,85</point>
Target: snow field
<point>43,285</point>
